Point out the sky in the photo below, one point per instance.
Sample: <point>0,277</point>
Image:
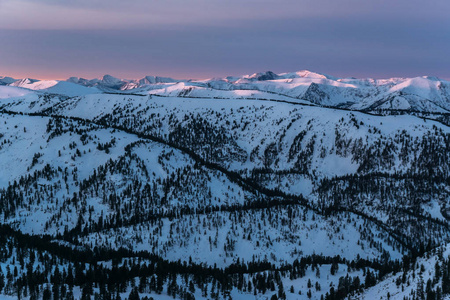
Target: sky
<point>56,39</point>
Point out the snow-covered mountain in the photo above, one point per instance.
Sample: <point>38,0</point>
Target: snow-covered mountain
<point>234,187</point>
<point>4,80</point>
<point>110,82</point>
<point>422,94</point>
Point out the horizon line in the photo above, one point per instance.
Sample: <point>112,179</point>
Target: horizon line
<point>180,78</point>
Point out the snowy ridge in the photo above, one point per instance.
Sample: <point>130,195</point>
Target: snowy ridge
<point>266,185</point>
<point>109,81</point>
<point>424,94</point>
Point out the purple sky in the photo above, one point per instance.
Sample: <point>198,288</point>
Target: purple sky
<point>210,38</point>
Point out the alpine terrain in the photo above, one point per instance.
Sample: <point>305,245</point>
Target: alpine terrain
<point>266,186</point>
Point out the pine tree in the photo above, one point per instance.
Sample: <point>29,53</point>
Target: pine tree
<point>134,294</point>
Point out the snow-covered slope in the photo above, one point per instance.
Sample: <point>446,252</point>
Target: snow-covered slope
<point>427,94</point>
<point>12,92</point>
<point>5,80</point>
<point>225,187</point>
<point>422,94</point>
<point>57,87</point>
<point>426,278</point>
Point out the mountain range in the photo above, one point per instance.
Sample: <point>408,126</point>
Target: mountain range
<point>427,94</point>
<point>269,186</point>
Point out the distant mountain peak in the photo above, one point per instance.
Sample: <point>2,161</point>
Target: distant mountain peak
<point>4,80</point>
<point>24,81</point>
<point>262,76</point>
<point>306,74</point>
<point>109,79</point>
